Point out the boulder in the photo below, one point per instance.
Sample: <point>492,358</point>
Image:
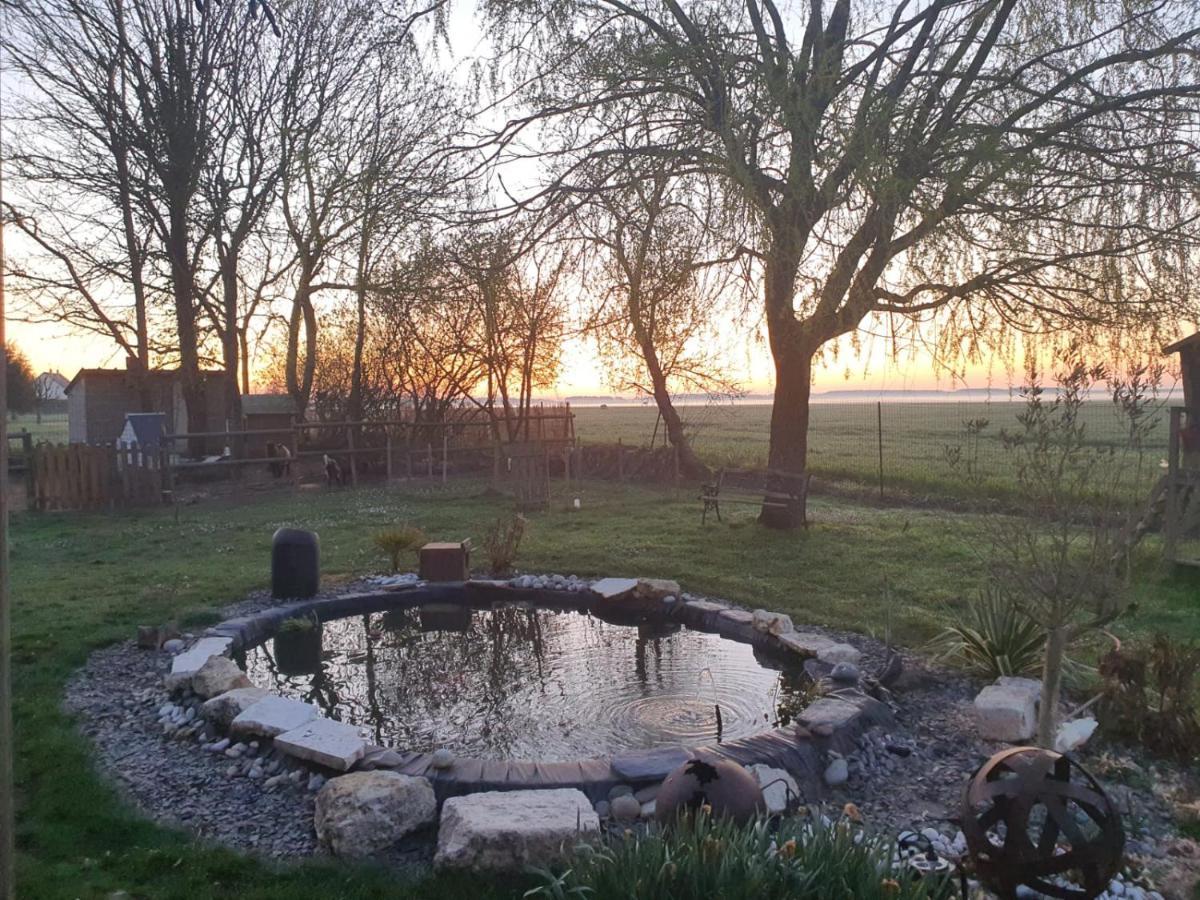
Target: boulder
<point>1007,710</point>
<point>188,663</point>
<point>362,813</point>
<point>626,807</point>
<point>218,675</point>
<point>657,589</point>
<point>271,716</point>
<point>772,622</point>
<point>508,831</point>
<point>778,787</point>
<point>839,653</point>
<point>222,709</point>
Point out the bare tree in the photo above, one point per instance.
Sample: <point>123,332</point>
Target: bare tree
<point>984,158</point>
<point>658,292</point>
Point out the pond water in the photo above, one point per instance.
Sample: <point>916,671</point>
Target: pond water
<point>531,684</point>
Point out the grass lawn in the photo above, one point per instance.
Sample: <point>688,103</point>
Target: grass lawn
<point>844,439</point>
<point>82,581</point>
<point>52,427</point>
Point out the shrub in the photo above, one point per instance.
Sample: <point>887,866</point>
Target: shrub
<point>298,625</point>
<point>503,542</point>
<point>398,540</point>
<point>992,638</point>
<point>1152,695</point>
<point>709,859</point>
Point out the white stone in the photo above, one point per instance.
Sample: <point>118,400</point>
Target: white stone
<point>508,831</point>
<point>218,675</point>
<point>611,588</point>
<point>443,758</point>
<point>1007,710</point>
<point>839,653</point>
<point>1074,734</point>
<point>772,622</point>
<point>776,784</point>
<point>359,814</point>
<point>333,744</point>
<point>271,716</point>
<point>222,709</point>
<point>837,772</point>
<point>188,663</point>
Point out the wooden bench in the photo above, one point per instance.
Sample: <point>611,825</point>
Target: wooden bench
<point>785,493</point>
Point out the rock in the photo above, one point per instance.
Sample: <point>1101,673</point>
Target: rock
<point>173,646</point>
<point>271,716</point>
<point>381,758</point>
<point>650,765</point>
<point>646,794</point>
<point>837,772</point>
<point>649,808</point>
<point>509,831</point>
<point>612,588</point>
<point>315,782</point>
<point>654,588</point>
<point>1007,710</point>
<point>626,807</point>
<point>619,790</point>
<point>222,709</point>
<point>776,785</point>
<point>218,675</point>
<point>772,622</point>
<point>152,637</point>
<point>839,653</point>
<point>845,672</point>
<point>188,663</point>
<point>324,741</point>
<point>736,622</point>
<point>827,714</point>
<point>1074,734</point>
<point>359,814</point>
<point>603,808</point>
<point>443,758</point>
<point>805,643</point>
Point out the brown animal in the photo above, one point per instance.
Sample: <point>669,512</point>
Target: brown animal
<point>333,472</point>
<point>281,453</point>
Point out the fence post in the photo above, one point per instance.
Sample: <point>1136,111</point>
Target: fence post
<point>879,430</point>
<point>620,460</point>
<point>445,450</point>
<point>350,446</point>
<point>428,459</point>
<point>387,443</point>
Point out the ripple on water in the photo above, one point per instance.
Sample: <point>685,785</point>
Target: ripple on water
<point>535,684</point>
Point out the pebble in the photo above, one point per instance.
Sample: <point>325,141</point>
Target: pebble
<point>837,772</point>
<point>626,807</point>
<point>316,783</point>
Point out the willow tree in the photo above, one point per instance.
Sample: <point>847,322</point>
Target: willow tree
<point>1009,164</point>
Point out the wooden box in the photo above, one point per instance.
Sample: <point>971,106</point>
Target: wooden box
<point>445,562</point>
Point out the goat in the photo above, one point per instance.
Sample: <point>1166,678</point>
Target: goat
<point>281,453</point>
<point>333,471</point>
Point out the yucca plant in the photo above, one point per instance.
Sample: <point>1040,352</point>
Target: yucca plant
<point>993,637</point>
<point>708,858</point>
<point>396,541</point>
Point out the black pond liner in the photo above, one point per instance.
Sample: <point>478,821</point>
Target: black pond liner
<point>841,720</point>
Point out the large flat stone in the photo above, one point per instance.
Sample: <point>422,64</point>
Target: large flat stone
<point>772,622</point>
<point>333,744</point>
<point>826,649</point>
<point>271,716</point>
<point>657,588</point>
<point>218,675</point>
<point>1007,710</point>
<point>512,830</point>
<point>190,661</point>
<point>224,708</point>
<point>612,588</point>
<point>829,712</point>
<point>650,765</point>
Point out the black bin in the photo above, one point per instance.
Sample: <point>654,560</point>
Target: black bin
<point>295,563</point>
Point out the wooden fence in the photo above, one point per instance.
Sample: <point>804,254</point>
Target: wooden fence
<point>78,476</point>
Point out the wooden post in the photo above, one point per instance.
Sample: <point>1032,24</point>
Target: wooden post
<point>428,460</point>
<point>496,461</point>
<point>1172,533</point>
<point>445,450</point>
<point>387,444</point>
<point>620,460</point>
<point>879,430</point>
<point>675,463</point>
<point>353,458</point>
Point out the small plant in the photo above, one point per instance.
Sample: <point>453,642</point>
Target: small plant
<point>1152,695</point>
<point>708,859</point>
<point>993,637</point>
<point>503,542</point>
<point>397,541</point>
<point>298,625</point>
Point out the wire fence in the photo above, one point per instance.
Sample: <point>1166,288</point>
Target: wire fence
<point>896,447</point>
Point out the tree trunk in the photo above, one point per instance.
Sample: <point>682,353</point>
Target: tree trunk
<point>689,463</point>
<point>300,380</point>
<point>230,346</point>
<point>1052,671</point>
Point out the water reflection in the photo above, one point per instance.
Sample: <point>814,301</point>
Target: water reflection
<point>535,684</point>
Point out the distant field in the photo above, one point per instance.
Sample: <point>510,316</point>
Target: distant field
<point>53,427</point>
<point>844,439</point>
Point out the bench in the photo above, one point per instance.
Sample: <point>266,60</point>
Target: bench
<point>783,497</point>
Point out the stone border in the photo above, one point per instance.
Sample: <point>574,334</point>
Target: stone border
<point>834,722</point>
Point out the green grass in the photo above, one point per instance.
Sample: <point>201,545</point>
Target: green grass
<point>81,581</point>
<point>52,427</point>
<point>844,439</point>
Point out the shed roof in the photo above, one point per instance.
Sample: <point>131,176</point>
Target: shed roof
<point>116,374</point>
<point>268,405</point>
<point>1183,343</point>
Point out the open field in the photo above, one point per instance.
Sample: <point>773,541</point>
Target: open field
<point>83,581</point>
<point>52,427</point>
<point>844,439</point>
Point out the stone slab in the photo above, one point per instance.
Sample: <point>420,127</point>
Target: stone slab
<point>612,588</point>
<point>838,652</point>
<point>509,831</point>
<point>779,788</point>
<point>271,716</point>
<point>333,744</point>
<point>650,765</point>
<point>1007,710</point>
<point>190,661</point>
<point>772,622</point>
<point>805,643</point>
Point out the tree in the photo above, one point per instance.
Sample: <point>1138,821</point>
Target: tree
<point>984,160</point>
<point>19,382</point>
<point>659,292</point>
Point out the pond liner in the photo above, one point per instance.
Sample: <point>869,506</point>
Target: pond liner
<point>833,722</point>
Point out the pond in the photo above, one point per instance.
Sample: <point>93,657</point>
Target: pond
<point>532,684</point>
